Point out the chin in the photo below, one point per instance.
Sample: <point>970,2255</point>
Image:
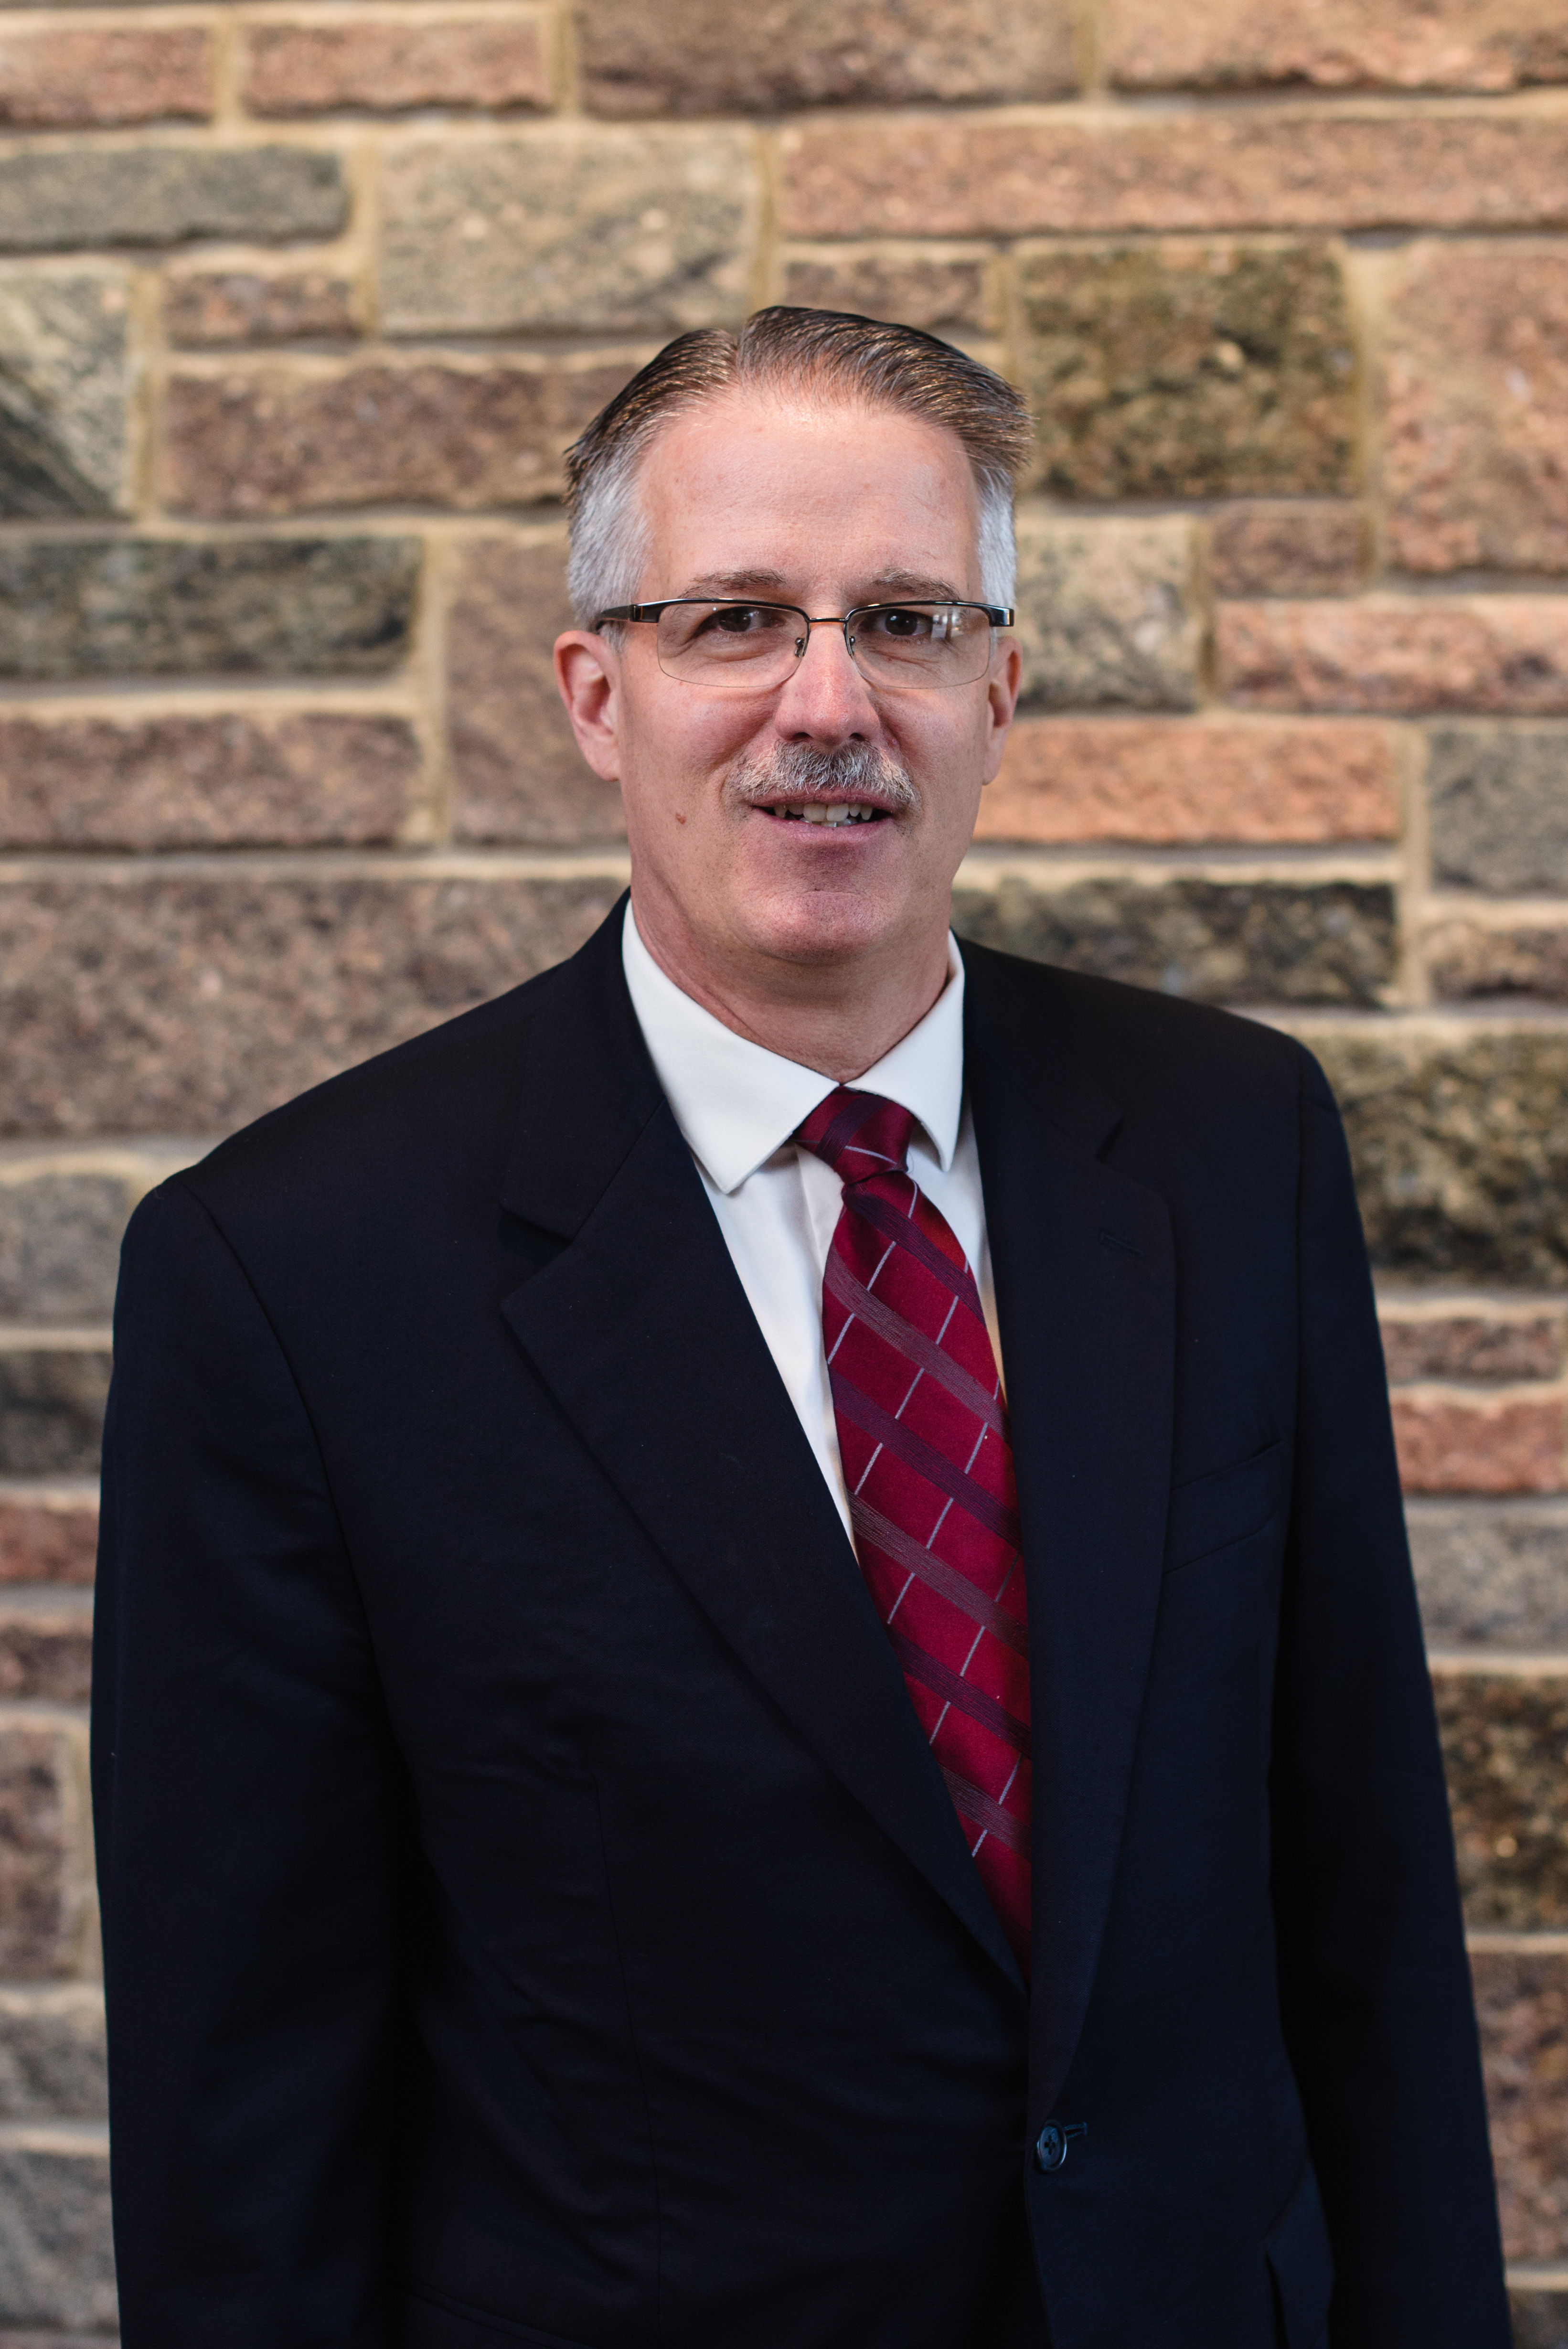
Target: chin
<point>823,925</point>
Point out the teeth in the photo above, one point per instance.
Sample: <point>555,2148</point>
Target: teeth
<point>815,813</point>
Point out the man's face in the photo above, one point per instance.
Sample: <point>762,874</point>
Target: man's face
<point>825,507</point>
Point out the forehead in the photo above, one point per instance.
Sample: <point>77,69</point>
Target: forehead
<point>794,484</point>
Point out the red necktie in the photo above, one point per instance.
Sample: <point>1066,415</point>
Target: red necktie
<point>922,1432</point>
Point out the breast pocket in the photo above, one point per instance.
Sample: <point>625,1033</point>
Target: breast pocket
<point>1228,1506</point>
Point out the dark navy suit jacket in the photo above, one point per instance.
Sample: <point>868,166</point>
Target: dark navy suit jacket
<point>533,1913</point>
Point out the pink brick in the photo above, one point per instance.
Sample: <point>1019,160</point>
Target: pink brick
<point>1174,780</point>
<point>47,1536</point>
<point>52,76</point>
<point>1483,653</point>
<point>383,64</point>
<point>974,175</point>
<point>1451,1442</point>
<point>1335,44</point>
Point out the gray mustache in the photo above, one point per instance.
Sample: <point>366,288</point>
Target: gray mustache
<point>796,771</point>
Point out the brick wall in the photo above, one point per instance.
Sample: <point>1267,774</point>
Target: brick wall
<point>298,305</point>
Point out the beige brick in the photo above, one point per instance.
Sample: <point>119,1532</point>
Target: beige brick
<point>517,772</point>
<point>1189,370</point>
<point>43,1833</point>
<point>1498,809</point>
<point>61,76</point>
<point>569,229</point>
<point>382,63</point>
<point>244,779</point>
<point>1476,386</point>
<point>274,442</point>
<point>1480,653</point>
<point>1522,2004</point>
<point>1471,1345</point>
<point>1288,546</point>
<point>1503,1740</point>
<point>1107,611</point>
<point>210,307</point>
<point>60,1230</point>
<point>1335,44</point>
<point>57,2249</point>
<point>1468,960</point>
<point>1172,783</point>
<point>1270,167</point>
<point>47,1535</point>
<point>189,1000</point>
<point>915,288</point>
<point>708,57</point>
<point>1451,1441</point>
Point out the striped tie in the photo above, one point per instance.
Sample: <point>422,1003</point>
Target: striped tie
<point>922,1432</point>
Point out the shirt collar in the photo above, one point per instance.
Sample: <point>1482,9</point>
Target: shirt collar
<point>737,1104</point>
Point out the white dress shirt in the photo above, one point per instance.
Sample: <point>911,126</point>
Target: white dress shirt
<point>737,1104</point>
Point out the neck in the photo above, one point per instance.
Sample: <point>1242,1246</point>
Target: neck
<point>837,1018</point>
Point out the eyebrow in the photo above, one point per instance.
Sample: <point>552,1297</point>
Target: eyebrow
<point>722,585</point>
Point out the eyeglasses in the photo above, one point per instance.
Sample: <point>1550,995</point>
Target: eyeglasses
<point>755,648</point>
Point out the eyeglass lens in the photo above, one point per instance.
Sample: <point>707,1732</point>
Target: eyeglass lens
<point>903,647</point>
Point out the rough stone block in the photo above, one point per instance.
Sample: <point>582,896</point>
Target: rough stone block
<point>1521,2005</point>
<point>1461,1148</point>
<point>1448,1344</point>
<point>55,197</point>
<point>48,1533</point>
<point>1475,389</point>
<point>1266,166</point>
<point>1499,801</point>
<point>64,76</point>
<point>1346,44</point>
<point>187,1002</point>
<point>1221,942</point>
<point>1168,782</point>
<point>1470,960</point>
<point>704,56</point>
<point>208,308</point>
<point>1189,371</point>
<point>517,772</point>
<point>1492,1574</point>
<point>1107,613</point>
<point>278,439</point>
<point>1503,1738</point>
<point>295,778</point>
<point>64,390</point>
<point>385,63</point>
<point>568,229</point>
<point>43,1842</point>
<point>1288,546</point>
<point>1458,1443</point>
<point>47,1647</point>
<point>52,2058</point>
<point>57,2251</point>
<point>1507,653</point>
<point>107,607</point>
<point>51,1409</point>
<point>1540,2319</point>
<point>60,1245</point>
<point>911,284</point>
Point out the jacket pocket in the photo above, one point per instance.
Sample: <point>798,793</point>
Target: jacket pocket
<point>1302,2264</point>
<point>1214,1511</point>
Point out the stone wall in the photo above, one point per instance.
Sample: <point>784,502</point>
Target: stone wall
<point>298,307</point>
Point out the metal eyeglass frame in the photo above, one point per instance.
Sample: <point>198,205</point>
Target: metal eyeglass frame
<point>1000,615</point>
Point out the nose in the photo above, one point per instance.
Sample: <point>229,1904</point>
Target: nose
<point>827,699</point>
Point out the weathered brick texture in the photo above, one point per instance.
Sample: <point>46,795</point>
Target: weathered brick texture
<point>299,306</point>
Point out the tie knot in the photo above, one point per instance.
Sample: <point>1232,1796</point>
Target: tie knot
<point>858,1134</point>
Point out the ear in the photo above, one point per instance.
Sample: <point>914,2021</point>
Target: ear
<point>588,674</point>
<point>1001,700</point>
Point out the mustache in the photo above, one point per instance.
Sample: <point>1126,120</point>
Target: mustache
<point>796,771</point>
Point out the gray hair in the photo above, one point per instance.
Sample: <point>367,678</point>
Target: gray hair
<point>831,352</point>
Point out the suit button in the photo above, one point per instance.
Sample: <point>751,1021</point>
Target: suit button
<point>1051,2145</point>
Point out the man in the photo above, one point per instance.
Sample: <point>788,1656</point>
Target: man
<point>758,1687</point>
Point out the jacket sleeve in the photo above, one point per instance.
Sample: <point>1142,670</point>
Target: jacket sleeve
<point>245,1797</point>
<point>1374,1982</point>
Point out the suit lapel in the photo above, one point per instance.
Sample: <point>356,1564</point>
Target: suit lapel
<point>642,1331</point>
<point>1085,1289</point>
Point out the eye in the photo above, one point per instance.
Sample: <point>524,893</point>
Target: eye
<point>902,625</point>
<point>742,620</point>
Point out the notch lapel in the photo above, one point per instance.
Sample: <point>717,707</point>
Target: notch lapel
<point>1085,1287</point>
<point>642,1331</point>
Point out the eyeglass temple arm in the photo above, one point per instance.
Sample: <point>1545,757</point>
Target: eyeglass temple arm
<point>1001,616</point>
